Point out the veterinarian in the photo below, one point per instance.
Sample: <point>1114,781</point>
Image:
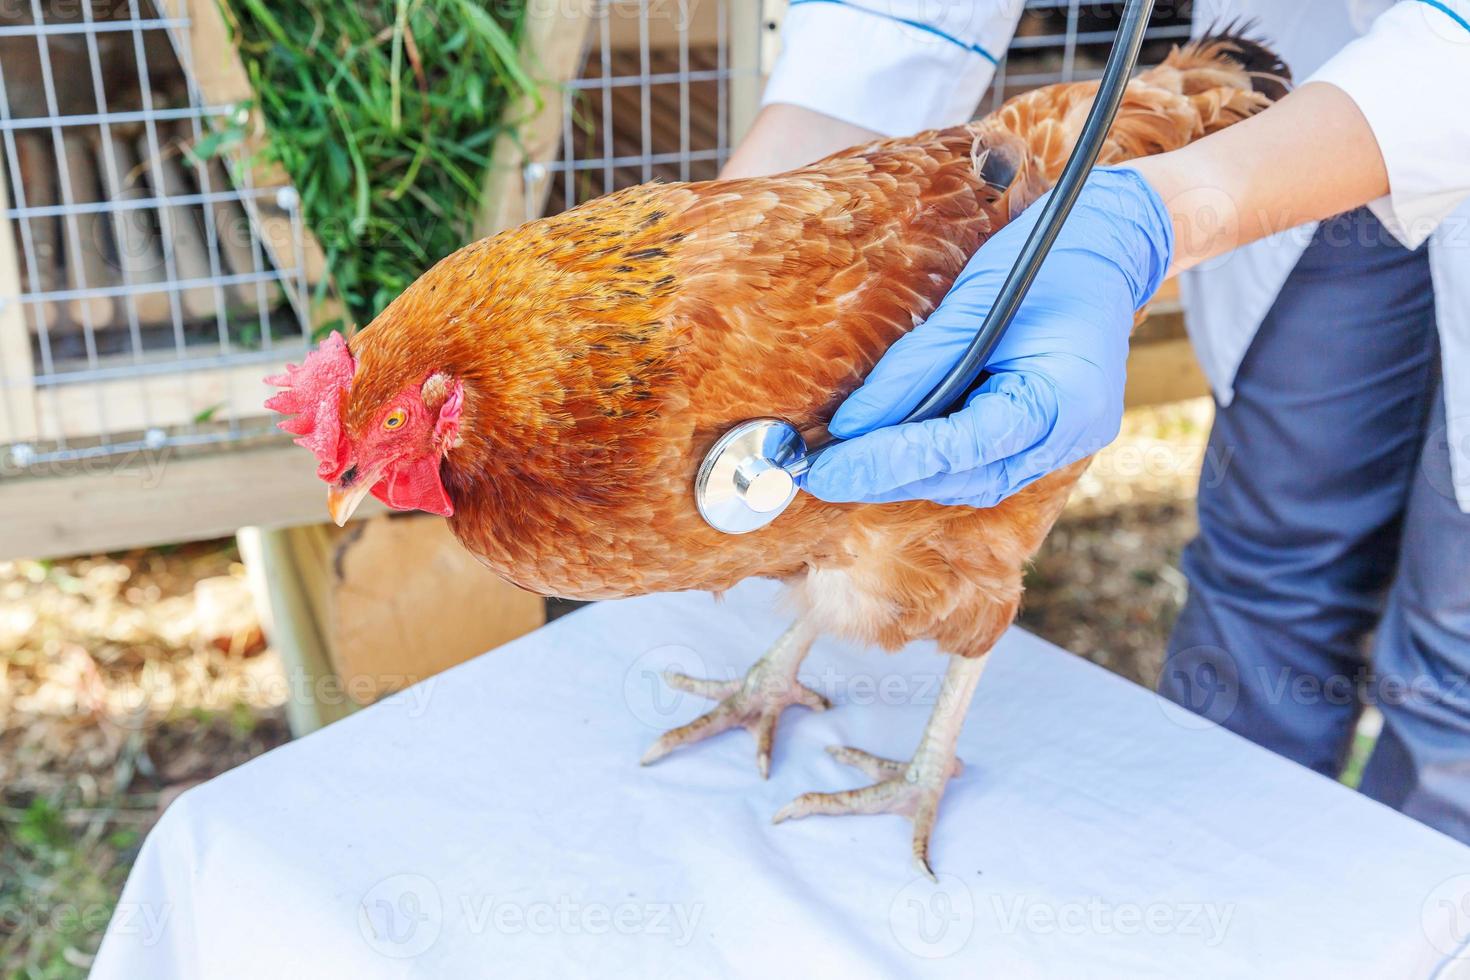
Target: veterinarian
<point>1334,530</point>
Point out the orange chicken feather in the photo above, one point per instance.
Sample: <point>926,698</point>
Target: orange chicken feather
<point>554,388</point>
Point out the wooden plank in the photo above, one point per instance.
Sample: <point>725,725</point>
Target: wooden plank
<point>700,19</point>
<point>207,51</point>
<point>139,251</point>
<point>186,235</point>
<point>555,38</point>
<point>134,404</point>
<point>754,30</point>
<point>17,397</point>
<point>86,267</point>
<point>385,632</point>
<point>150,498</point>
<point>1163,371</point>
<point>39,181</point>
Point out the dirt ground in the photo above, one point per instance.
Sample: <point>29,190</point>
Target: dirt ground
<point>123,680</point>
<point>1106,584</point>
<point>126,678</point>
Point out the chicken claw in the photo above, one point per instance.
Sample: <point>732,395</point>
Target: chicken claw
<point>754,703</point>
<point>912,789</point>
<point>876,766</point>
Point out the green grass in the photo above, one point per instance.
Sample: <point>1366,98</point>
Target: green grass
<point>1362,749</point>
<point>384,116</point>
<point>61,869</point>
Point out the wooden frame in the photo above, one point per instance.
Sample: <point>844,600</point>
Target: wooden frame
<point>152,498</point>
<point>70,411</point>
<point>17,392</point>
<point>555,39</point>
<point>220,78</point>
<point>149,498</point>
<point>1162,366</point>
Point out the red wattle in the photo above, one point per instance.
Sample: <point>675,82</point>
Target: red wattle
<point>415,485</point>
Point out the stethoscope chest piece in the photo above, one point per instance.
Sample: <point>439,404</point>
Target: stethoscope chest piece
<point>748,476</point>
<point>751,473</point>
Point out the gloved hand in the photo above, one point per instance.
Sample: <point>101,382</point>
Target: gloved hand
<point>1056,394</point>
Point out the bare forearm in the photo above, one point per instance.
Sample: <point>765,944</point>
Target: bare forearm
<point>1309,157</point>
<point>784,137</point>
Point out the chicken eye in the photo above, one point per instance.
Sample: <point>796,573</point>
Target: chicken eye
<point>395,419</point>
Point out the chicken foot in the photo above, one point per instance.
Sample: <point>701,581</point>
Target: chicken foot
<point>754,703</point>
<point>912,789</point>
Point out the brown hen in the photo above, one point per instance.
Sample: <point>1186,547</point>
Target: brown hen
<point>552,389</point>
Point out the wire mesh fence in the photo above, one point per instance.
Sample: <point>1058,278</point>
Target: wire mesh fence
<point>1069,40</point>
<point>145,286</point>
<point>649,106</point>
<point>141,271</point>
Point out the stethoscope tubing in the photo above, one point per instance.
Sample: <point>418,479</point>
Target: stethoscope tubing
<point>960,381</point>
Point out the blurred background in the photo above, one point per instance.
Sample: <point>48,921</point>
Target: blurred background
<point>193,192</point>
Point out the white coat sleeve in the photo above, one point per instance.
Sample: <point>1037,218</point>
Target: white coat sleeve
<point>892,66</point>
<point>1410,76</point>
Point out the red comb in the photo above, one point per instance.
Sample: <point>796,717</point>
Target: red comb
<point>313,396</point>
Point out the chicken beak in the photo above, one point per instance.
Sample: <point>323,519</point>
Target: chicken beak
<point>342,502</point>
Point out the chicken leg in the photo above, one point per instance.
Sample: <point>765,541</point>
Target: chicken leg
<point>754,703</point>
<point>913,789</point>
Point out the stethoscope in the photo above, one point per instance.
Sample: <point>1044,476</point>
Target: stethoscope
<point>752,473</point>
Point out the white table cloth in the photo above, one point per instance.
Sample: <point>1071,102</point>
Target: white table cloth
<point>494,822</point>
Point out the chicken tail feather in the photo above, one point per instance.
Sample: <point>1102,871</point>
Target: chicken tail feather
<point>1203,87</point>
<point>1236,41</point>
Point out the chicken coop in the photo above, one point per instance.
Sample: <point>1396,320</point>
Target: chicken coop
<point>145,291</point>
<point>146,287</point>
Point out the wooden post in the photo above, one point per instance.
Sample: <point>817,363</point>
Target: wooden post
<point>17,393</point>
<point>406,601</point>
<point>361,612</point>
<point>208,51</point>
<point>515,190</point>
<point>289,619</point>
<point>754,44</point>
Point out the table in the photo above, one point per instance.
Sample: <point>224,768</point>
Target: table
<point>493,821</point>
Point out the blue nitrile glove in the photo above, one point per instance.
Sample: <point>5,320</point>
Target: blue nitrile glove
<point>1056,394</point>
